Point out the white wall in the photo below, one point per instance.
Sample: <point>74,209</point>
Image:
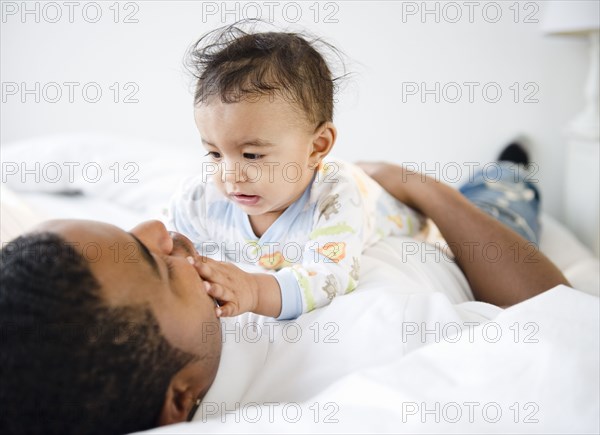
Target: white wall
<point>386,48</point>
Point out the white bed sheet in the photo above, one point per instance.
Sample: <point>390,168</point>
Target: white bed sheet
<point>372,382</point>
<point>379,369</point>
<point>362,365</point>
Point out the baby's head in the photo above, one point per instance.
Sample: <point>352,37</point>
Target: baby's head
<point>264,109</point>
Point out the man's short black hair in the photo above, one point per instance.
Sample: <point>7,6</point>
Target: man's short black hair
<point>69,363</point>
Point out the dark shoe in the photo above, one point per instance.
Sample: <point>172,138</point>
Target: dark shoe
<point>515,153</point>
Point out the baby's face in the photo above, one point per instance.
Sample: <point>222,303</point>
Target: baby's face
<point>262,152</point>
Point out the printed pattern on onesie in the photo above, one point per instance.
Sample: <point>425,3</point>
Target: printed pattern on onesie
<point>314,247</point>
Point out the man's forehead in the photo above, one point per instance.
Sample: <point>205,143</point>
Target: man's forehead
<point>81,229</point>
<point>113,255</point>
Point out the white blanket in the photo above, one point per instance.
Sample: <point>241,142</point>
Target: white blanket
<point>408,351</point>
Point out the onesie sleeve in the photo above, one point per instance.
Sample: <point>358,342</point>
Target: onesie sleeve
<point>331,258</point>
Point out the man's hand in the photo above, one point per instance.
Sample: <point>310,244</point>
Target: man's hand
<point>237,291</point>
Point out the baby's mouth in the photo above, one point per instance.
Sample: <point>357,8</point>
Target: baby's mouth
<point>243,199</point>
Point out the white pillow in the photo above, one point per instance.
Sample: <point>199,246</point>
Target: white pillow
<point>16,217</point>
<point>579,265</point>
<point>131,172</point>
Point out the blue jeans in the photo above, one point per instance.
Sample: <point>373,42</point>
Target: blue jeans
<point>503,191</point>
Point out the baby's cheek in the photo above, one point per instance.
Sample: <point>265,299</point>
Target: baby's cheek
<point>219,183</point>
<point>253,172</point>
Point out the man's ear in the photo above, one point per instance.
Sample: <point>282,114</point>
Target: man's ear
<point>323,141</point>
<point>179,400</point>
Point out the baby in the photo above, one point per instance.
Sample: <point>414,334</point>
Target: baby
<point>268,196</point>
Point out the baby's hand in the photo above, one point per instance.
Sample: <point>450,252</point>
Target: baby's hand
<point>237,291</point>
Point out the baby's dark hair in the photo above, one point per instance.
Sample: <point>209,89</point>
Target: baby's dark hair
<point>71,363</point>
<point>234,64</point>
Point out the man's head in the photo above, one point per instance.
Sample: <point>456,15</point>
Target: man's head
<point>264,109</point>
<point>102,331</point>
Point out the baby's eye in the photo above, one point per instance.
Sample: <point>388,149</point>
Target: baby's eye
<point>213,154</point>
<point>251,156</point>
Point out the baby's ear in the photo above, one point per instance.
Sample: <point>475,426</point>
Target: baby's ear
<point>323,141</point>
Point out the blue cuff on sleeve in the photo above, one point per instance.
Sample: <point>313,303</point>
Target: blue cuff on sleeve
<point>291,299</point>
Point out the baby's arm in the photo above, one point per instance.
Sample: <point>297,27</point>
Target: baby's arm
<point>331,258</point>
<point>352,212</point>
<point>235,289</point>
<point>330,262</point>
<point>238,291</point>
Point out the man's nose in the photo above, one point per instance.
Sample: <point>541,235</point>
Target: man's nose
<point>155,236</point>
<point>183,245</point>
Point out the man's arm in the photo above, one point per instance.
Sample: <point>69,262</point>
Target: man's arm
<point>521,271</point>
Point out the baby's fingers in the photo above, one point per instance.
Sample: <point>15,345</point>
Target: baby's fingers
<point>209,269</point>
<point>229,305</point>
<point>227,310</point>
<point>219,292</point>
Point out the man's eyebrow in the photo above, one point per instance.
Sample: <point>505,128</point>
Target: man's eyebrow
<point>147,255</point>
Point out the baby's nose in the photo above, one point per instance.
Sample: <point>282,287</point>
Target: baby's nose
<point>232,173</point>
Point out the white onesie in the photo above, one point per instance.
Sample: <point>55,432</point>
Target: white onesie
<point>314,247</point>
